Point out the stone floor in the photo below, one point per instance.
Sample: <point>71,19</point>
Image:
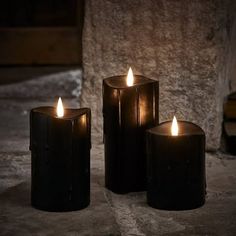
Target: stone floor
<point>108,213</point>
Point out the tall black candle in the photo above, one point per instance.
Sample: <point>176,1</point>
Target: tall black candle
<point>176,166</point>
<point>60,151</point>
<point>128,111</point>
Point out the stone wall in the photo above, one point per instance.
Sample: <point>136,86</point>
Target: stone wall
<point>231,59</point>
<point>180,43</point>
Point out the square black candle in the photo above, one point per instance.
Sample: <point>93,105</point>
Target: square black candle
<point>176,166</point>
<point>60,151</point>
<point>128,111</point>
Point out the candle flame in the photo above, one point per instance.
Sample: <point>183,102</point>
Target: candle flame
<point>60,109</point>
<point>130,78</point>
<point>174,127</point>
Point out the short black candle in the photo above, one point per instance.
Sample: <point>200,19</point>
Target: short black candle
<point>60,155</point>
<point>128,112</point>
<point>176,167</point>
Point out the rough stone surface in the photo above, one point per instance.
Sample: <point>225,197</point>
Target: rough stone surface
<point>179,43</point>
<point>109,213</point>
<point>231,59</point>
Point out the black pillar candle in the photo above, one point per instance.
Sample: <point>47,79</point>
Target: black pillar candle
<point>60,151</point>
<point>176,167</point>
<point>128,111</point>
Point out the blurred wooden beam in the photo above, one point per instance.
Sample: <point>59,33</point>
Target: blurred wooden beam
<point>40,45</point>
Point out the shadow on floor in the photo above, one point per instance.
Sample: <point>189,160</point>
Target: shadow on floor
<point>18,195</point>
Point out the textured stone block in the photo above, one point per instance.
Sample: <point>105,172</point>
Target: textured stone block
<point>231,56</point>
<point>180,43</point>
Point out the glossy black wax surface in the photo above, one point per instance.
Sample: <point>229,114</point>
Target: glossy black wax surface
<point>119,82</point>
<point>176,167</point>
<point>60,152</point>
<point>185,129</point>
<point>69,114</point>
<point>128,112</point>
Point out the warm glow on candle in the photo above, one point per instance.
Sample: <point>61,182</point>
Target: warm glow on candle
<point>174,127</point>
<point>60,109</point>
<point>83,120</point>
<point>130,78</point>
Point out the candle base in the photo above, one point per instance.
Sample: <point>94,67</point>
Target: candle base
<point>172,201</point>
<point>175,206</point>
<point>125,162</point>
<point>59,207</point>
<point>129,189</point>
